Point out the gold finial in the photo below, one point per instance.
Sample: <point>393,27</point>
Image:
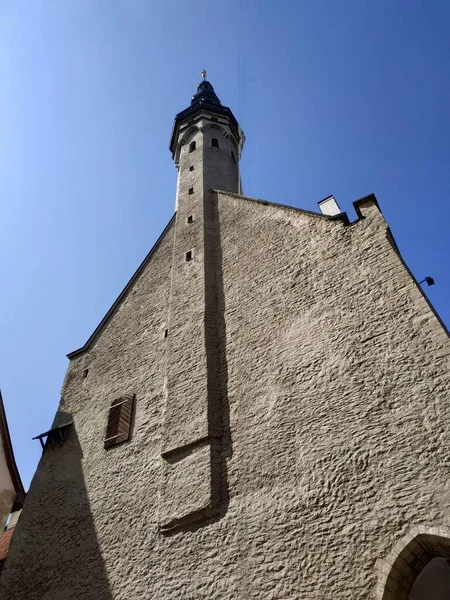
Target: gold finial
<point>203,74</point>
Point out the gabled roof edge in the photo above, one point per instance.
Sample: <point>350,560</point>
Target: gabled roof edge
<point>391,240</point>
<point>369,198</point>
<point>10,460</point>
<point>122,294</point>
<point>340,217</point>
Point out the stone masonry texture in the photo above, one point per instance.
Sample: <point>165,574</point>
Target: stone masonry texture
<point>290,431</point>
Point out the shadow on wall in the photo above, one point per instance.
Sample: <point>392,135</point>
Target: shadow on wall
<point>433,583</point>
<point>215,343</point>
<point>55,554</point>
<point>219,437</point>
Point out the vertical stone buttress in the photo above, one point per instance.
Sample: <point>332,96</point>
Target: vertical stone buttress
<point>206,145</point>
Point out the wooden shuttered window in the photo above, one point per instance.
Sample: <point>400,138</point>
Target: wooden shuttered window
<point>120,415</point>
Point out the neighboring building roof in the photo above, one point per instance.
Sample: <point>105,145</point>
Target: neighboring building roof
<point>5,541</point>
<point>10,460</point>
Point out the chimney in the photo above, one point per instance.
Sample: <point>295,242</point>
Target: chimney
<point>329,206</point>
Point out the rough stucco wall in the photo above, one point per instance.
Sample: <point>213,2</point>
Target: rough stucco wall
<point>337,382</point>
<point>334,379</point>
<point>338,386</point>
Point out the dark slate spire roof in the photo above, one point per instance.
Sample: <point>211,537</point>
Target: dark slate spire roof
<point>205,95</point>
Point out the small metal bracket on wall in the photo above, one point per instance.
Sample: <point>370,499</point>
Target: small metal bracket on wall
<point>57,434</point>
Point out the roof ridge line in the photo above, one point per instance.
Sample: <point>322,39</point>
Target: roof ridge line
<point>340,217</point>
<point>122,294</point>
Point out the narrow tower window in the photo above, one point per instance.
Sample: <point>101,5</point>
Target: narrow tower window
<point>119,421</point>
<point>190,219</point>
<point>192,147</point>
<point>85,373</point>
<point>188,256</point>
<point>215,143</point>
<point>233,158</point>
<point>191,190</point>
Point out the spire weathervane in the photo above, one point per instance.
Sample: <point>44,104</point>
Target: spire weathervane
<point>203,74</point>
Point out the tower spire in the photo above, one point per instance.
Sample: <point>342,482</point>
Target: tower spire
<point>205,94</point>
<point>207,140</point>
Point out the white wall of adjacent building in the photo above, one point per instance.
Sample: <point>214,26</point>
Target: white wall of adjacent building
<point>7,491</point>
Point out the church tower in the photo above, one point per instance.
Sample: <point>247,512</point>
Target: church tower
<point>262,413</point>
<point>206,146</point>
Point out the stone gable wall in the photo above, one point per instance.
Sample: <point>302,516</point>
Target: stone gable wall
<point>332,375</point>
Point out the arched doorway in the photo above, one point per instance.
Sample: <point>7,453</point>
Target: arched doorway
<point>418,568</point>
<point>433,582</point>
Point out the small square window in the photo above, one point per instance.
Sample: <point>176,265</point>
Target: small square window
<point>191,190</point>
<point>190,219</point>
<point>191,168</point>
<point>189,256</point>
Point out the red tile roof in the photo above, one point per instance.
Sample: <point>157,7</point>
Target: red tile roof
<point>5,541</point>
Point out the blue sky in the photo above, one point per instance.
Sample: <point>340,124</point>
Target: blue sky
<point>335,97</point>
